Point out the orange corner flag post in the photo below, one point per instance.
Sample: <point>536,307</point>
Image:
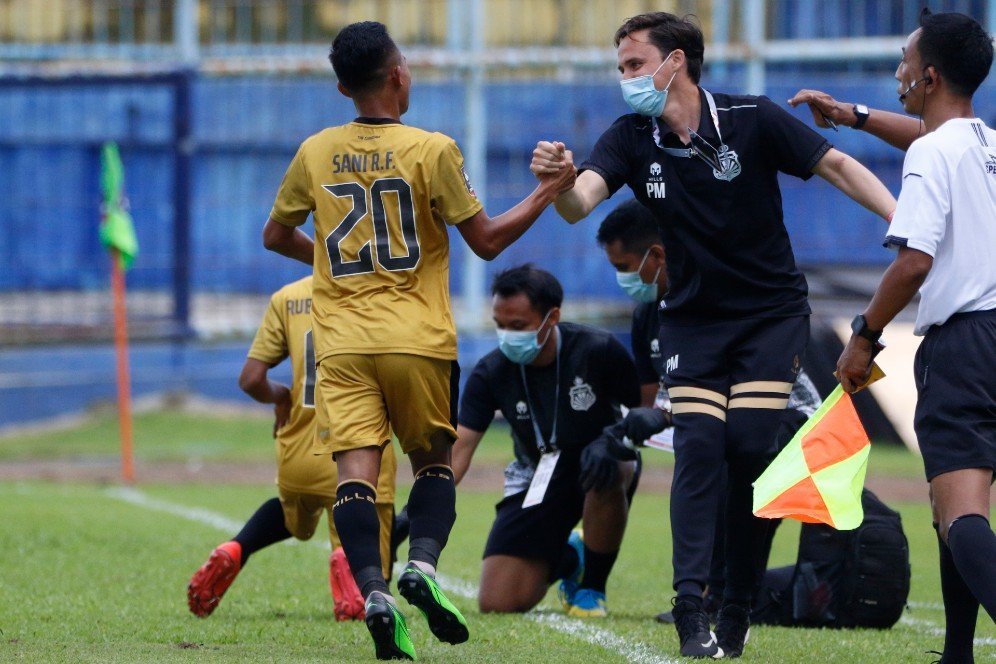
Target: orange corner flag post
<point>123,373</point>
<point>118,234</point>
<point>819,475</point>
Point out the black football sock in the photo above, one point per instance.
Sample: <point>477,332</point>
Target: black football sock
<point>973,547</point>
<point>596,568</point>
<point>567,564</point>
<point>264,528</point>
<point>432,512</point>
<point>355,516</point>
<point>961,609</point>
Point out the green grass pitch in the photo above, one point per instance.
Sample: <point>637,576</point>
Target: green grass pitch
<point>94,573</point>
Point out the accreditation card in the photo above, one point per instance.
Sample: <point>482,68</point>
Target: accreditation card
<point>541,479</point>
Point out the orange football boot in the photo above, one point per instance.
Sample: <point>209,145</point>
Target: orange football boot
<point>345,594</point>
<point>209,583</point>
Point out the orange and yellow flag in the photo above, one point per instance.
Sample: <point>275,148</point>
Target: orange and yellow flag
<point>819,475</point>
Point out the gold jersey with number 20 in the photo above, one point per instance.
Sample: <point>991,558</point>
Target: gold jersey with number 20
<point>382,194</point>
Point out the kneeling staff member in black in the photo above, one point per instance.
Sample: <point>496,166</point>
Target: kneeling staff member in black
<point>558,385</point>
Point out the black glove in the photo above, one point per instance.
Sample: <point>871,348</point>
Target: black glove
<point>642,423</point>
<point>599,468</point>
<point>618,445</point>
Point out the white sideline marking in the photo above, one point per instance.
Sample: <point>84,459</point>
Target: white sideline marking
<point>930,606</point>
<point>632,651</point>
<point>935,630</point>
<point>207,517</point>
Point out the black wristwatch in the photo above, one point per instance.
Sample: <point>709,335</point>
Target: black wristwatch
<point>861,113</point>
<point>859,326</point>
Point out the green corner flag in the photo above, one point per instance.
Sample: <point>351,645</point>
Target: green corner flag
<point>116,230</point>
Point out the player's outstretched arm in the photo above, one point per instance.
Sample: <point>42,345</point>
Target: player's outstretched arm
<point>860,184</point>
<point>588,191</point>
<point>895,129</point>
<point>463,450</point>
<point>489,236</point>
<point>288,241</point>
<point>255,382</point>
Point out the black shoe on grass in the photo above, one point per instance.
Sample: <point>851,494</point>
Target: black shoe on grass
<point>697,640</point>
<point>733,629</point>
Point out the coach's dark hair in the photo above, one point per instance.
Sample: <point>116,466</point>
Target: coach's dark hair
<point>958,47</point>
<point>668,32</point>
<point>539,286</point>
<point>632,224</point>
<point>359,53</point>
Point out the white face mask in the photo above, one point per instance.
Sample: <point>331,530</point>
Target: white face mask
<point>643,97</point>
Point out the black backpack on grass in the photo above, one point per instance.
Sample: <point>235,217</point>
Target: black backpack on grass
<point>842,578</point>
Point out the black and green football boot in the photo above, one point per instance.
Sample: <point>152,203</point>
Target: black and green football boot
<point>424,594</point>
<point>388,628</point>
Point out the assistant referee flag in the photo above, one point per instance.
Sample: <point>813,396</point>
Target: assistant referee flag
<point>819,475</point>
<point>116,230</point>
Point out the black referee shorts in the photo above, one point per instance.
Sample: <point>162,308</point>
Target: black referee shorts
<point>955,372</point>
<point>540,532</point>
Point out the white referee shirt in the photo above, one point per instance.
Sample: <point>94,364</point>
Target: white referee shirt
<point>947,209</point>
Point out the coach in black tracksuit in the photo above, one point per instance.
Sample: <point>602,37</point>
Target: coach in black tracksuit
<point>736,319</point>
<point>558,385</point>
<point>632,243</point>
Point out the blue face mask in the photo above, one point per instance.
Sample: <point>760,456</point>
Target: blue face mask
<point>634,286</point>
<point>522,346</point>
<point>643,97</point>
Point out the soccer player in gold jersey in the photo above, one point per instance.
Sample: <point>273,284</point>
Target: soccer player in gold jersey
<point>382,194</point>
<point>306,482</point>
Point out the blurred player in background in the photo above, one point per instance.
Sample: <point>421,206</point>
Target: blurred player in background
<point>944,231</point>
<point>735,318</point>
<point>306,482</point>
<point>558,385</point>
<point>632,243</point>
<point>383,195</point>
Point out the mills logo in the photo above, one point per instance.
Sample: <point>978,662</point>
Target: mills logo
<point>655,183</point>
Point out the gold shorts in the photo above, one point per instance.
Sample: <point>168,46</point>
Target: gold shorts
<point>302,512</point>
<point>369,395</point>
<point>313,470</point>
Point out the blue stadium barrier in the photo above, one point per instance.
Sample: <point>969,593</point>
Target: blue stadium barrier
<point>36,386</point>
<point>245,131</point>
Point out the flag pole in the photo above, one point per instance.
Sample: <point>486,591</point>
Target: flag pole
<point>123,374</point>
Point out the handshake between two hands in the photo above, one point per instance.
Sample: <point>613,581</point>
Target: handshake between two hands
<point>552,162</point>
<point>618,442</point>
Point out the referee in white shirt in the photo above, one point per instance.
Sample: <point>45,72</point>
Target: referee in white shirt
<point>945,231</point>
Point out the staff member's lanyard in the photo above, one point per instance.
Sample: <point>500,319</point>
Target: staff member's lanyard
<point>543,446</point>
<point>701,148</point>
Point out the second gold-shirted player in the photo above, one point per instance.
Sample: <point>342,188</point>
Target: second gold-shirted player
<point>382,195</point>
<point>306,482</point>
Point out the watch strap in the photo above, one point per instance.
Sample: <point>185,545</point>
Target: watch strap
<point>862,117</point>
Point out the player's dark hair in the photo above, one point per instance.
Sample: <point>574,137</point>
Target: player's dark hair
<point>958,47</point>
<point>359,54</point>
<point>539,286</point>
<point>668,32</point>
<point>632,224</point>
